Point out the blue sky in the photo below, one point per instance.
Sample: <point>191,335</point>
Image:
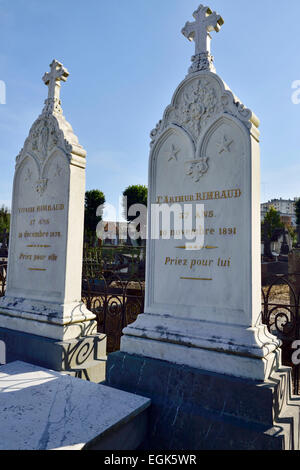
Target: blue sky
<point>126,58</point>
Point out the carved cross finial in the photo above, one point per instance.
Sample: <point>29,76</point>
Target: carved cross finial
<point>52,79</point>
<point>198,31</point>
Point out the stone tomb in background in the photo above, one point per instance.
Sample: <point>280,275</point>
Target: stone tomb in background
<point>200,351</point>
<point>42,318</point>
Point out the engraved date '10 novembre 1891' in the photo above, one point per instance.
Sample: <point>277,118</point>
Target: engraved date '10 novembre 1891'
<point>192,263</point>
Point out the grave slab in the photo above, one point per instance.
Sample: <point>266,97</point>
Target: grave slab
<point>45,410</point>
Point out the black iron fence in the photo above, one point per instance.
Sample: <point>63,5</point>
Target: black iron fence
<point>3,273</point>
<point>115,302</point>
<point>280,302</point>
<point>113,288</point>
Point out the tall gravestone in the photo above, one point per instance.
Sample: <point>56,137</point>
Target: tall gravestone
<point>42,318</point>
<point>200,351</point>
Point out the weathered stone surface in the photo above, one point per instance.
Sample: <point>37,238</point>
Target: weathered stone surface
<point>200,410</point>
<point>200,350</point>
<point>42,317</point>
<point>203,273</point>
<point>83,357</point>
<point>42,410</point>
<point>43,294</point>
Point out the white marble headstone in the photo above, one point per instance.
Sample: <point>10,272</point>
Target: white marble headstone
<point>203,298</point>
<point>43,293</point>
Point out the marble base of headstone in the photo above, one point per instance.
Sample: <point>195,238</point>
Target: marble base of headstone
<point>200,410</point>
<point>83,357</point>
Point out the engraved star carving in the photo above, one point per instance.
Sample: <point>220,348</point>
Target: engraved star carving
<point>173,152</point>
<point>225,145</point>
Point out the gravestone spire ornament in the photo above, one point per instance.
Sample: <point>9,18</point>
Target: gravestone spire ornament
<point>58,73</point>
<point>198,31</point>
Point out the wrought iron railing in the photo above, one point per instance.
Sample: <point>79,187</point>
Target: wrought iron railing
<point>113,287</point>
<point>280,312</point>
<point>117,298</point>
<point>115,302</point>
<point>3,273</point>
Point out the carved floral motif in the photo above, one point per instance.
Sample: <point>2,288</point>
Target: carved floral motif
<point>203,61</point>
<point>51,130</point>
<point>44,138</point>
<point>41,186</point>
<point>197,168</point>
<point>197,103</point>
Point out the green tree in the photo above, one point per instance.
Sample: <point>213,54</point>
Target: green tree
<point>297,205</point>
<point>93,199</point>
<point>136,194</point>
<point>272,225</point>
<point>293,234</point>
<point>4,219</point>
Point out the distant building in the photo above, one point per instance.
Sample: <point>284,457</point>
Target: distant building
<point>286,208</point>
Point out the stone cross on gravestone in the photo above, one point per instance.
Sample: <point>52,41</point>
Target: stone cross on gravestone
<point>206,21</point>
<point>52,79</point>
